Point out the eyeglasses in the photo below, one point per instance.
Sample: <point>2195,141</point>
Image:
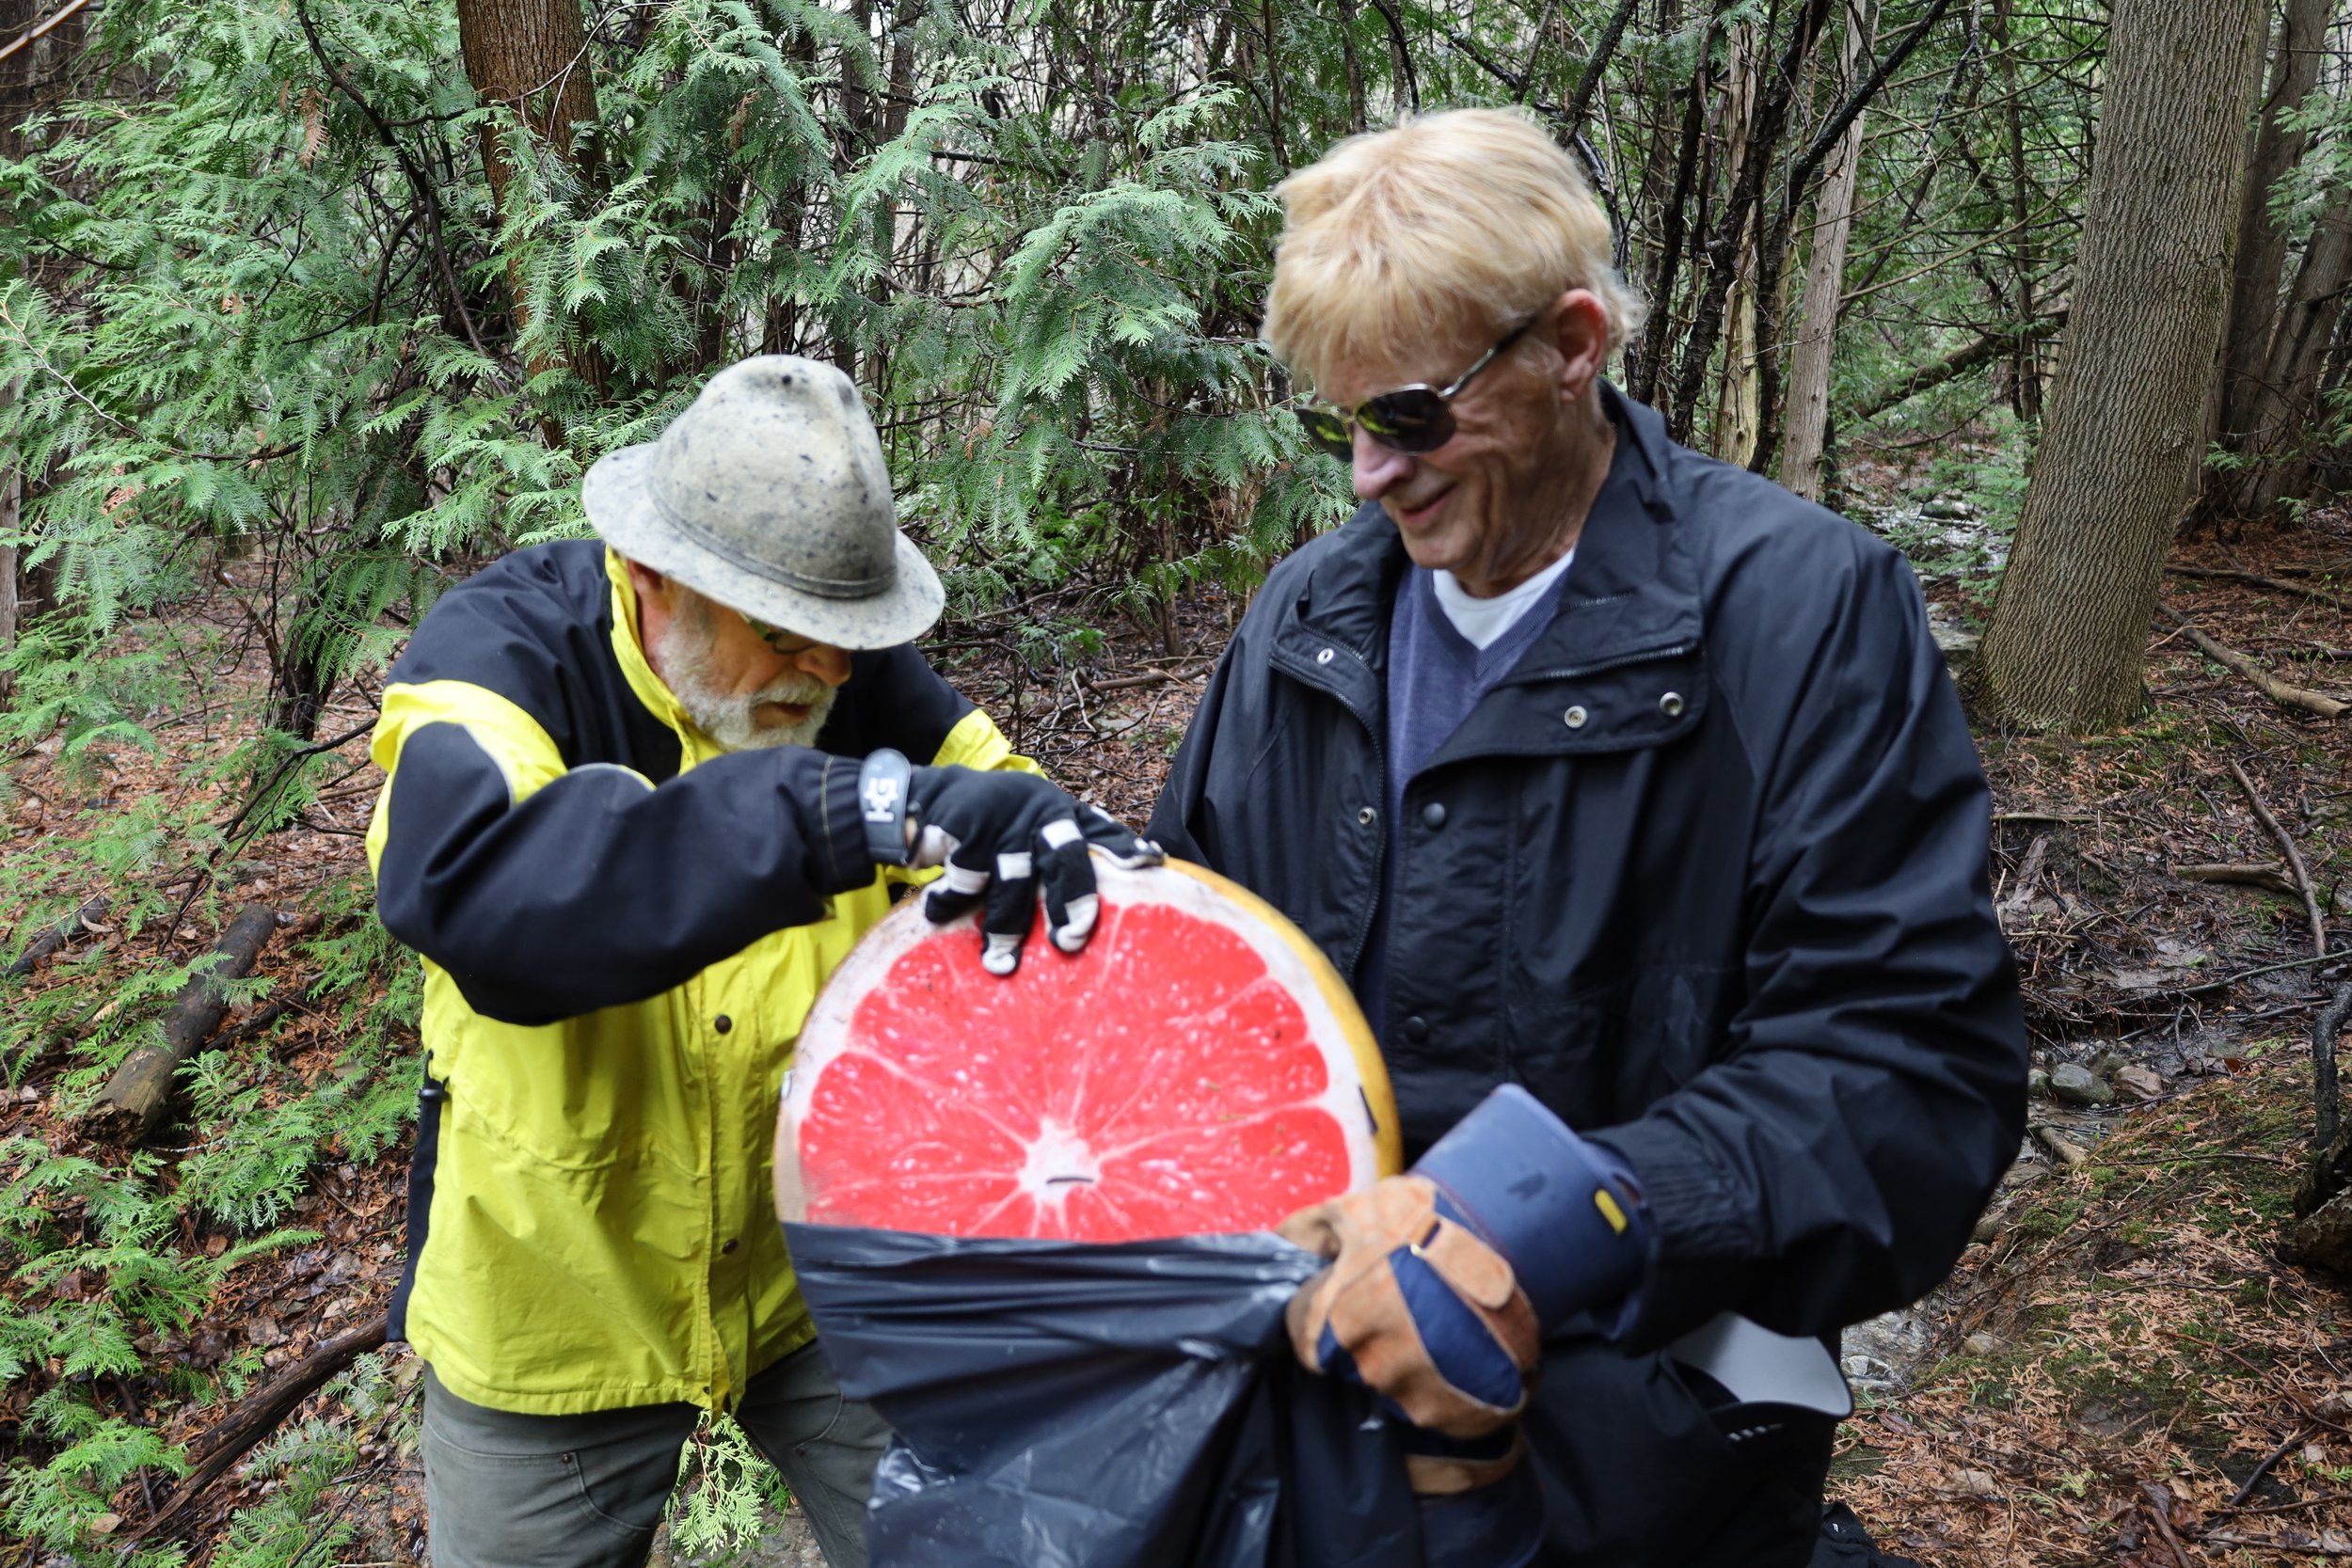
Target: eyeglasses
<point>790,644</point>
<point>1412,420</point>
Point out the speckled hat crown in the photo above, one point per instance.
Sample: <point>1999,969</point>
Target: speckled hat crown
<point>769,496</point>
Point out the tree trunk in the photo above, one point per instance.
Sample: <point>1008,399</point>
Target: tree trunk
<point>11,488</point>
<point>1647,375</point>
<point>2280,422</point>
<point>11,518</point>
<point>531,56</point>
<point>1354,60</point>
<point>16,16</point>
<point>2126,412</point>
<point>31,79</point>
<point>1772,252</point>
<point>12,513</point>
<point>2025,364</point>
<point>302,682</point>
<point>1825,277</point>
<point>1726,248</point>
<point>2262,248</point>
<point>1734,433</point>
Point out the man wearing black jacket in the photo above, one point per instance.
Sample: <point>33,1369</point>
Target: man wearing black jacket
<point>1630,794</point>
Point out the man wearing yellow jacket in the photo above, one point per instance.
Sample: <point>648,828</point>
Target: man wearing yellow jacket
<point>642,798</point>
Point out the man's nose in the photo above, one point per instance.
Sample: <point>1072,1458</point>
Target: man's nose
<point>1375,468</point>
<point>824,661</point>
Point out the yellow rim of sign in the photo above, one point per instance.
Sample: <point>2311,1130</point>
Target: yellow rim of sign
<point>1388,1139</point>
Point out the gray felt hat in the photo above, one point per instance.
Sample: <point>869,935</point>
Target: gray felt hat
<point>769,495</point>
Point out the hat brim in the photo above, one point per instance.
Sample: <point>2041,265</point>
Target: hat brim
<point>620,506</point>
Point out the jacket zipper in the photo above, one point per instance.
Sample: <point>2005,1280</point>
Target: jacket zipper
<point>1379,846</point>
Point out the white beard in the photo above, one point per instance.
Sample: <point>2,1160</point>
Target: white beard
<point>683,650</point>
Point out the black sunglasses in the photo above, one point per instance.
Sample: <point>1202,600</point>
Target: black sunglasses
<point>1412,420</point>
<point>778,640</point>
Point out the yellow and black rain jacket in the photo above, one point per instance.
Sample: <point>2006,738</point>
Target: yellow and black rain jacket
<point>623,926</point>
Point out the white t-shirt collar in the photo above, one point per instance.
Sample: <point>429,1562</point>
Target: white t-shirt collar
<point>1481,621</point>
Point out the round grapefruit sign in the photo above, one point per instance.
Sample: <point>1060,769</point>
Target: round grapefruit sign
<point>1200,1066</point>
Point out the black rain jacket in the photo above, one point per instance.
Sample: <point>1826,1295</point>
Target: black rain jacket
<point>1707,873</point>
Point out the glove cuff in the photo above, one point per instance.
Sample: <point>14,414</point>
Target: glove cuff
<point>1571,1227</point>
<point>883,790</point>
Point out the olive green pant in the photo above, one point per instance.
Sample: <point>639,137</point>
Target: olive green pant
<point>508,1491</point>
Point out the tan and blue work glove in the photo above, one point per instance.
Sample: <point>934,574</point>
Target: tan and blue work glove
<point>1444,1280</point>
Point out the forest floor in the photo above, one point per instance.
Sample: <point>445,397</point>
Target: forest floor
<point>2119,1371</point>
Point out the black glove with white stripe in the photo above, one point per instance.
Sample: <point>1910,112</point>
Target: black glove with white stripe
<point>1005,839</point>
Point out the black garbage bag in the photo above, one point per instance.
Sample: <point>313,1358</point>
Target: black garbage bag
<point>1065,1404</point>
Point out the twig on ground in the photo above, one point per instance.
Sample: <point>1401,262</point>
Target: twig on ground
<point>257,1025</point>
<point>2257,580</point>
<point>2286,846</point>
<point>230,842</point>
<point>2159,1504</point>
<point>2270,685</point>
<point>2340,954</point>
<point>2323,1500</point>
<point>2263,1470</point>
<point>55,937</point>
<point>2169,1160</point>
<point>1150,678</point>
<point>259,1414</point>
<point>2312,1548</point>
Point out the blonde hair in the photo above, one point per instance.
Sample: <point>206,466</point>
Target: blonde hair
<point>1452,227</point>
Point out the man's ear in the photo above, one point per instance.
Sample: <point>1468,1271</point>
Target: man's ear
<point>1580,330</point>
<point>648,583</point>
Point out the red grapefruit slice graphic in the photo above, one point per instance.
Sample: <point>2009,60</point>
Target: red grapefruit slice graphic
<point>1198,1068</point>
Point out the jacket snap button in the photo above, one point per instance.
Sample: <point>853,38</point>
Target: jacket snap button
<point>722,1023</point>
<point>1434,815</point>
<point>1575,717</point>
<point>1367,816</point>
<point>1417,1028</point>
<point>1324,658</point>
<point>729,1247</point>
<point>1671,705</point>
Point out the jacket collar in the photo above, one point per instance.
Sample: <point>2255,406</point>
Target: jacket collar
<point>1633,593</point>
<point>629,651</point>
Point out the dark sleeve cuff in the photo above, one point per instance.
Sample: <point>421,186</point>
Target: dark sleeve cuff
<point>842,860</point>
<point>1701,1237</point>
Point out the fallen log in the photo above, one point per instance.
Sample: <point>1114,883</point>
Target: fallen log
<point>258,1414</point>
<point>2269,684</point>
<point>2265,875</point>
<point>2065,1151</point>
<point>133,1103</point>
<point>57,936</point>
